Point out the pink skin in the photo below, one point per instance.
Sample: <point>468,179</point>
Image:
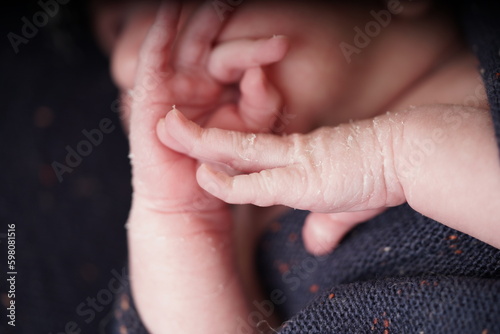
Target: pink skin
<point>322,232</point>
<point>305,102</point>
<point>170,212</point>
<point>358,166</point>
<point>226,64</point>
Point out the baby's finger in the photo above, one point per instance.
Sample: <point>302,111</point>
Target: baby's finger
<point>151,70</point>
<point>197,38</point>
<point>260,101</point>
<point>242,151</point>
<point>282,185</point>
<point>258,107</point>
<point>126,47</point>
<point>155,53</point>
<point>322,232</point>
<point>229,60</point>
<point>346,168</point>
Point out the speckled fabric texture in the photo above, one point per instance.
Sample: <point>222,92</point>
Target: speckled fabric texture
<point>482,29</point>
<point>399,273</point>
<point>70,238</point>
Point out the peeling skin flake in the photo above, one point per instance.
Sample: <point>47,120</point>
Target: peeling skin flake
<point>349,140</point>
<point>251,138</point>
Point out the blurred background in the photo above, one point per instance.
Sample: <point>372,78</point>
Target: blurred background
<point>64,171</point>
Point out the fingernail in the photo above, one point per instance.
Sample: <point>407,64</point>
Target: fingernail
<point>173,111</point>
<point>167,133</point>
<point>161,122</point>
<point>214,173</point>
<point>173,114</point>
<point>209,180</point>
<point>177,114</point>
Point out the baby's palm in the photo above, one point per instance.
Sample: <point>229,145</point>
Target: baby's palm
<point>180,70</point>
<point>171,72</point>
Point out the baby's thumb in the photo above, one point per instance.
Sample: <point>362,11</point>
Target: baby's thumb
<point>322,232</point>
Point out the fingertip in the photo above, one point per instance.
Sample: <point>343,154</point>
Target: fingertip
<point>160,128</point>
<point>154,52</point>
<point>229,60</point>
<point>161,124</point>
<point>175,120</point>
<point>275,49</point>
<point>212,181</point>
<point>317,239</point>
<point>161,131</point>
<point>174,114</point>
<point>281,40</point>
<point>167,130</point>
<point>164,122</point>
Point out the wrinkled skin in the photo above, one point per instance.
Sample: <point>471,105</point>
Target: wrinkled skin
<point>180,237</point>
<point>366,165</point>
<point>181,249</point>
<point>318,87</point>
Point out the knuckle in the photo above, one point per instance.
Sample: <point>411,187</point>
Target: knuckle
<point>384,177</point>
<point>311,156</point>
<point>302,195</point>
<point>296,149</point>
<point>266,190</point>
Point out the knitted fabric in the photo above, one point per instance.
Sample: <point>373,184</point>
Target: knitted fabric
<point>398,273</point>
<point>482,27</point>
<point>401,271</point>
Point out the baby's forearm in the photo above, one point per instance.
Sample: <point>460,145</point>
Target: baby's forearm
<point>183,272</point>
<point>448,165</point>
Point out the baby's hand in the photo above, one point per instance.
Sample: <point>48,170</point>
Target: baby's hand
<point>330,170</point>
<point>187,73</point>
<point>258,106</point>
<point>346,168</point>
<point>241,62</point>
<point>365,165</point>
<point>180,238</point>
